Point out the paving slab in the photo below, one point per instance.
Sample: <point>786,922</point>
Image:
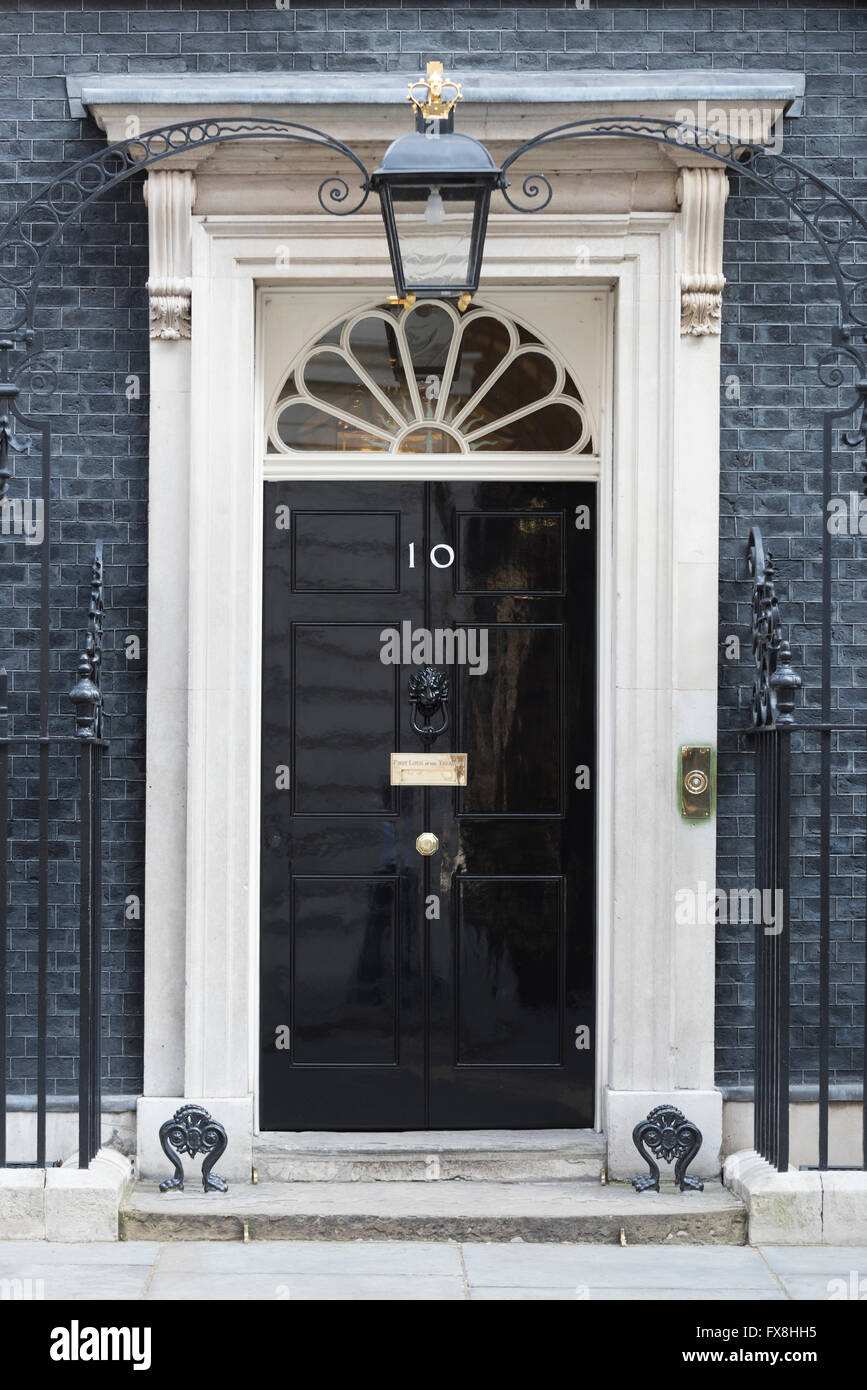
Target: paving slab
<point>394,1271</point>
<point>101,1253</point>
<point>655,1294</point>
<point>394,1258</point>
<point>834,1260</point>
<point>607,1267</point>
<point>72,1282</point>
<point>818,1288</point>
<point>303,1288</point>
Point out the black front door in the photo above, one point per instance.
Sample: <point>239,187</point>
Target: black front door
<point>453,990</point>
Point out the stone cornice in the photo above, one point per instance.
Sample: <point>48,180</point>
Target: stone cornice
<point>604,90</point>
<point>502,109</point>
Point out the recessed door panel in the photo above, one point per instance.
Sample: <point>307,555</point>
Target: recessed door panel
<point>510,553</point>
<point>345,934</point>
<point>345,552</point>
<point>512,719</point>
<point>340,767</point>
<point>509,978</point>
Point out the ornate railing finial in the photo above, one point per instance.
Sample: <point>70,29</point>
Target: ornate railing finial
<point>776,680</point>
<point>86,694</point>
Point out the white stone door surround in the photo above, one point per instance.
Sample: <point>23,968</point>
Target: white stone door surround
<point>658,510</point>
<point>659,486</point>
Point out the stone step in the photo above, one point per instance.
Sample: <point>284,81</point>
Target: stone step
<point>544,1211</point>
<point>494,1155</point>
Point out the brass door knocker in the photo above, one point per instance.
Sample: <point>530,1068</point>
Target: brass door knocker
<point>428,693</point>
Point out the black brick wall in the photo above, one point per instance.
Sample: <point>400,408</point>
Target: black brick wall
<point>94,318</point>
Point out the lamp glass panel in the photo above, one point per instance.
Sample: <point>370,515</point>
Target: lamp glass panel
<point>434,232</point>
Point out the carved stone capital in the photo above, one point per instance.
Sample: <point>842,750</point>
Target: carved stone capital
<point>169,195</point>
<point>702,196</point>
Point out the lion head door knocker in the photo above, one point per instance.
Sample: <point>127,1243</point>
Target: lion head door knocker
<point>669,1135</point>
<point>429,696</point>
<point>191,1130</point>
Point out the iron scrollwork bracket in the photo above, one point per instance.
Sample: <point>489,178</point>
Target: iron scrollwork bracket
<point>38,224</point>
<point>849,351</point>
<point>39,374</point>
<point>429,693</point>
<point>669,1135</point>
<point>191,1130</point>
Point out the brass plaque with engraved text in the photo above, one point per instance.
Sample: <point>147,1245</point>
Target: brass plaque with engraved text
<point>428,769</point>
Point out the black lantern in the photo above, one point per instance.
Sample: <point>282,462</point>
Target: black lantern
<point>435,190</point>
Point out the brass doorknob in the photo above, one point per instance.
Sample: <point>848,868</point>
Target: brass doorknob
<point>427,843</point>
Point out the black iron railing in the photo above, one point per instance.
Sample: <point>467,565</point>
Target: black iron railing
<point>90,744</point>
<point>773,703</point>
<point>773,700</point>
<point>773,956</point>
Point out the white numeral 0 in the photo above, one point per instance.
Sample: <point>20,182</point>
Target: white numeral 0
<point>445,564</point>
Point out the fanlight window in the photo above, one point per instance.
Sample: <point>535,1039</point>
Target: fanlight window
<point>429,380</point>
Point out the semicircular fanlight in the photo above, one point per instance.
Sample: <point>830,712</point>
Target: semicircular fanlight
<point>428,380</point>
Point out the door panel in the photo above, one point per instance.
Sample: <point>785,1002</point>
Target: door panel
<point>337,765</point>
<point>497,959</point>
<point>511,976</point>
<point>440,992</point>
<point>507,717</point>
<point>341,940</point>
<point>345,933</point>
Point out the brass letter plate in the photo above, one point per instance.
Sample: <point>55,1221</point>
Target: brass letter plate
<point>428,769</point>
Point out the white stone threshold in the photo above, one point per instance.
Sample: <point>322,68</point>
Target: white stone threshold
<point>481,1155</point>
<point>798,1208</point>
<point>433,1140</point>
<point>66,1203</point>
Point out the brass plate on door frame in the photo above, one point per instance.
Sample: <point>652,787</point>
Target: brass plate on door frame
<point>428,769</point>
<point>696,782</point>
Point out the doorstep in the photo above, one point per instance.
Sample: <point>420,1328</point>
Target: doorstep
<point>582,1212</point>
<point>477,1155</point>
